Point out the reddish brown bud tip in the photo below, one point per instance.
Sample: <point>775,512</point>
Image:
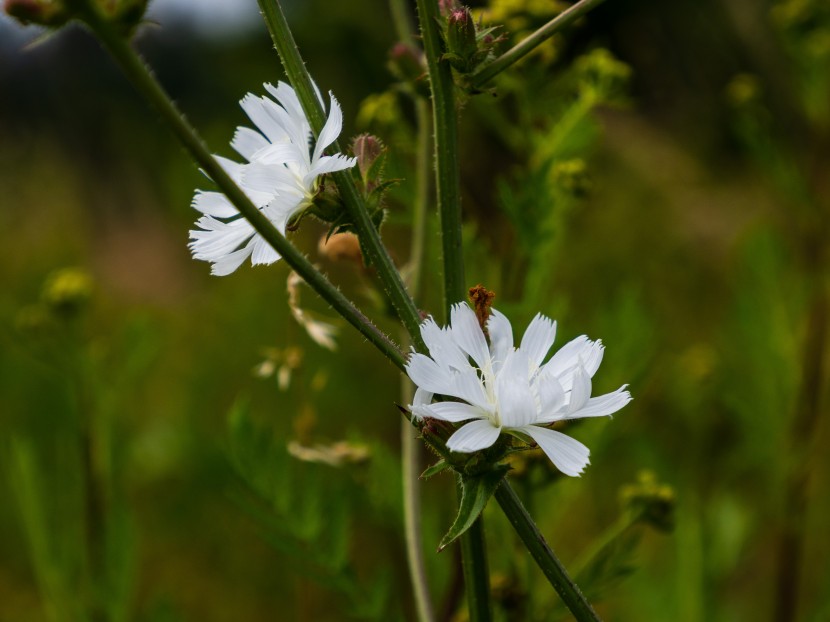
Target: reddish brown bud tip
<point>482,300</point>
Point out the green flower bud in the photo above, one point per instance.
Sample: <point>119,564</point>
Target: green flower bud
<point>367,149</point>
<point>649,501</point>
<point>406,63</point>
<point>461,38</point>
<point>50,13</point>
<point>743,90</point>
<point>67,291</point>
<point>572,177</point>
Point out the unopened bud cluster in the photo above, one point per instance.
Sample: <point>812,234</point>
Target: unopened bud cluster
<point>126,14</point>
<point>649,501</point>
<point>468,44</point>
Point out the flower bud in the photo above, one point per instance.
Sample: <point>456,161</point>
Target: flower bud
<point>340,247</point>
<point>406,63</point>
<point>126,13</point>
<point>572,176</point>
<point>461,38</point>
<point>51,13</point>
<point>649,501</point>
<point>67,291</point>
<point>367,149</point>
<point>445,7</point>
<point>603,74</point>
<point>743,90</point>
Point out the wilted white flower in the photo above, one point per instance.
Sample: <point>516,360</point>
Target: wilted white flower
<point>509,389</point>
<point>281,177</point>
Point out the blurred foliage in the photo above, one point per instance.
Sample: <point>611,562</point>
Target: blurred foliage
<point>656,178</point>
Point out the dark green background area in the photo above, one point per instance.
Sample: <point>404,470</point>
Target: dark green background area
<point>686,258</point>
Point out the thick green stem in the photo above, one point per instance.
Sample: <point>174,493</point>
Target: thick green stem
<point>535,542</point>
<point>526,46</point>
<point>145,83</point>
<point>447,165</point>
<point>376,253</point>
<point>447,175</point>
<point>476,570</point>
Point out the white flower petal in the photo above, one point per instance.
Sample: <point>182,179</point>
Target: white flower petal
<point>567,356</point>
<point>517,406</point>
<point>538,338</point>
<point>441,346</point>
<point>257,111</point>
<point>247,142</point>
<point>467,333</point>
<point>279,154</point>
<point>268,178</point>
<point>551,398</point>
<point>213,204</point>
<point>428,375</point>
<point>501,337</point>
<point>455,412</point>
<point>331,130</point>
<point>581,390</point>
<point>263,253</point>
<point>328,164</point>
<point>567,454</point>
<point>473,436</point>
<point>602,405</point>
<point>564,363</point>
<point>217,238</point>
<point>421,397</point>
<point>467,386</point>
<point>288,99</point>
<point>229,262</point>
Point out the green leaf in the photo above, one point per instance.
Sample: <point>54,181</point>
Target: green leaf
<point>435,469</point>
<point>476,491</point>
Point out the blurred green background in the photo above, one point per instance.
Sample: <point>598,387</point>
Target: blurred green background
<point>673,202</point>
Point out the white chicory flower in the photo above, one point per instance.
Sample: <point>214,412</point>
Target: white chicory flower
<point>281,177</point>
<point>507,388</point>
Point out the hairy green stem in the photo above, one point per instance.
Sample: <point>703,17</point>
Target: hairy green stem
<point>550,565</point>
<point>447,165</point>
<point>447,176</point>
<point>372,246</point>
<point>524,47</point>
<point>145,83</point>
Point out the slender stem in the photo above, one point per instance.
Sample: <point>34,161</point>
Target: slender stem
<point>404,26</point>
<point>793,536</point>
<point>446,153</point>
<point>373,248</point>
<point>411,466</point>
<point>94,488</point>
<point>146,84</point>
<point>524,47</point>
<point>544,556</point>
<point>410,447</point>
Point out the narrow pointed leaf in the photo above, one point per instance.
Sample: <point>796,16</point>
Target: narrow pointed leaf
<point>435,469</point>
<point>476,491</point>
